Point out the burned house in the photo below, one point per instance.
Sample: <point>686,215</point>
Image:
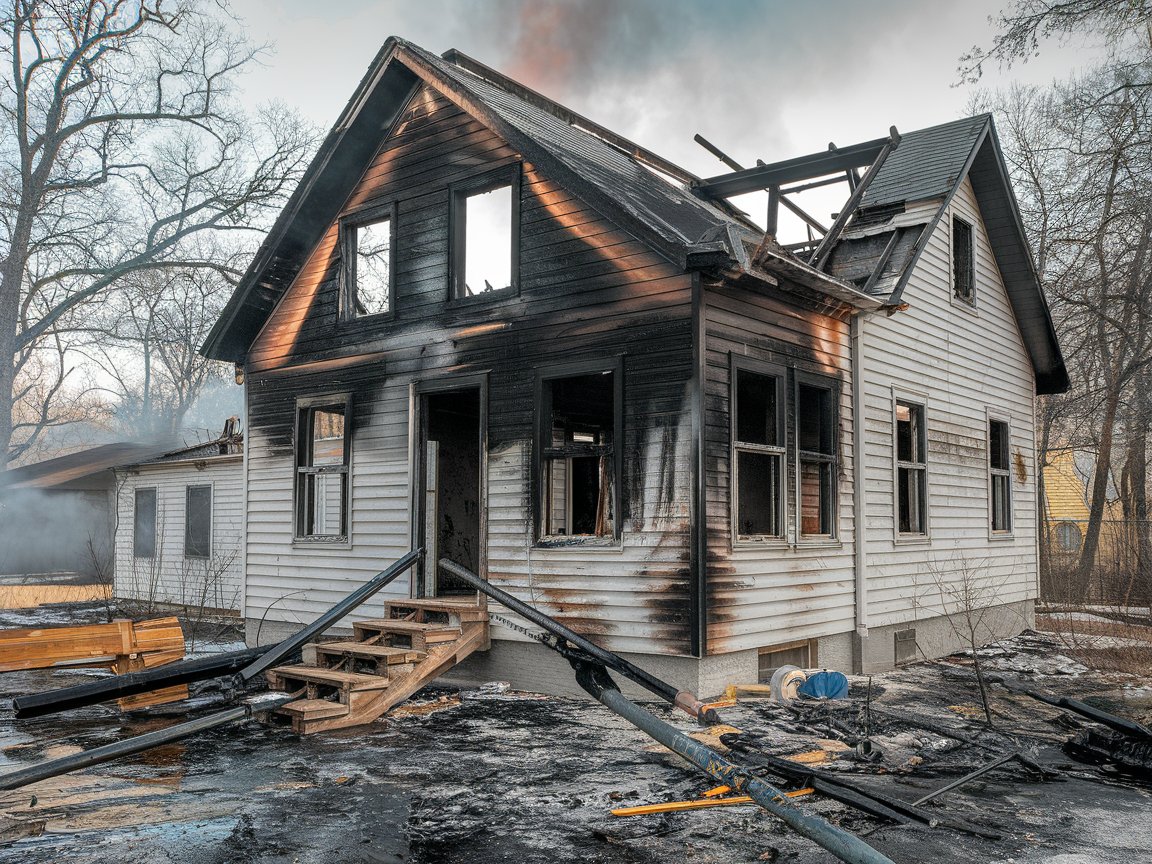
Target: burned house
<point>487,326</point>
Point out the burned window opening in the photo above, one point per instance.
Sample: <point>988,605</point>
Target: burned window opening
<point>485,236</point>
<point>368,253</point>
<point>579,469</point>
<point>198,522</point>
<point>911,469</point>
<point>322,472</point>
<point>758,445</point>
<point>963,261</point>
<point>144,524</point>
<point>1000,476</point>
<point>816,458</point>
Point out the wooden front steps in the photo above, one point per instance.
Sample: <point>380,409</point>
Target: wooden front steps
<point>350,682</point>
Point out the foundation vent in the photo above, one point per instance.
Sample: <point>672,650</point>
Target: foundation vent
<point>905,646</point>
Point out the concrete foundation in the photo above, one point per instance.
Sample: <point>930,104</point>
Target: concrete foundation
<point>530,666</point>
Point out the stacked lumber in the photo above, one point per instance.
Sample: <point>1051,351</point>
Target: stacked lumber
<point>122,646</point>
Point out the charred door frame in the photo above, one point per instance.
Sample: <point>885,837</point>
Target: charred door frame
<point>417,463</point>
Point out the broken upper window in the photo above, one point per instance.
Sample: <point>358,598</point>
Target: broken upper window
<point>758,442</point>
<point>368,252</point>
<point>911,469</point>
<point>322,472</point>
<point>963,261</point>
<point>579,470</point>
<point>485,244</point>
<point>816,458</point>
<point>198,522</point>
<point>1000,478</point>
<point>144,524</point>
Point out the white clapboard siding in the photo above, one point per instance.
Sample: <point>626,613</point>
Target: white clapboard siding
<point>169,576</point>
<point>963,364</point>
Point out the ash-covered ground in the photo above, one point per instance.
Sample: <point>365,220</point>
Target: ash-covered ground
<point>495,777</point>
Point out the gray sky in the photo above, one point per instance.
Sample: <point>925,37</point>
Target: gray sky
<point>765,79</point>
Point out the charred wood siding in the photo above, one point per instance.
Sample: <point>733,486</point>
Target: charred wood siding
<point>773,592</point>
<point>588,291</point>
<point>964,363</point>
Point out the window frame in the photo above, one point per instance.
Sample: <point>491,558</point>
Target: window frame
<point>155,490</point>
<point>458,192</point>
<point>188,522</point>
<point>543,438</point>
<point>306,407</point>
<point>824,382</point>
<point>914,400</point>
<point>968,301</point>
<point>739,363</point>
<point>993,532</point>
<point>349,225</point>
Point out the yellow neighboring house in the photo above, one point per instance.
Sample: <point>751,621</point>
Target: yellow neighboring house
<point>1067,486</point>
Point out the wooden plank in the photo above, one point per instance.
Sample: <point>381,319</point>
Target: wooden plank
<point>314,709</point>
<point>390,655</point>
<point>99,644</point>
<point>329,677</point>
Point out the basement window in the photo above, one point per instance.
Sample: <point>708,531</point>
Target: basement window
<point>579,471</point>
<point>758,454</point>
<point>144,524</point>
<point>1000,476</point>
<point>911,470</point>
<point>198,522</point>
<point>816,458</point>
<point>963,261</point>
<point>369,258</point>
<point>485,235</point>
<point>322,472</point>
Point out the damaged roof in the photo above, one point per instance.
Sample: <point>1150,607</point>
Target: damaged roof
<point>651,198</point>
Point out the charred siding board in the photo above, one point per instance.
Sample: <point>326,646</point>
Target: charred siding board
<point>963,363</point>
<point>765,596</point>
<point>589,291</point>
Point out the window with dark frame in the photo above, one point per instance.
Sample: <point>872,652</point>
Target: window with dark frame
<point>144,524</point>
<point>368,255</point>
<point>911,469</point>
<point>999,460</point>
<point>579,468</point>
<point>198,522</point>
<point>322,460</point>
<point>485,236</point>
<point>963,261</point>
<point>816,457</point>
<point>759,451</point>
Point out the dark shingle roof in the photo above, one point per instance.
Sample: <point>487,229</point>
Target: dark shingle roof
<point>927,164</point>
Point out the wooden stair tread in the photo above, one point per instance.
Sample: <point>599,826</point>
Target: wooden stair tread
<point>361,649</point>
<point>315,709</point>
<point>332,677</point>
<point>395,625</point>
<point>436,603</point>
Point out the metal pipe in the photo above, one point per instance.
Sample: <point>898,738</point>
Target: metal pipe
<point>133,683</point>
<point>297,641</point>
<point>682,699</point>
<point>847,847</point>
<point>1112,721</point>
<point>984,769</point>
<point>108,752</point>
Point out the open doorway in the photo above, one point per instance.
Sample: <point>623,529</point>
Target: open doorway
<point>450,452</point>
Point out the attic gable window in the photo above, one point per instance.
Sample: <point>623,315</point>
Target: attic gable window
<point>963,261</point>
<point>369,256</point>
<point>485,235</point>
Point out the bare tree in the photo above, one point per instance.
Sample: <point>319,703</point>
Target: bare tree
<point>122,145</point>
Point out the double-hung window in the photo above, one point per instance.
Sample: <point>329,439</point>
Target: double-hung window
<point>816,457</point>
<point>1000,476</point>
<point>322,462</point>
<point>198,522</point>
<point>911,470</point>
<point>758,450</point>
<point>579,464</point>
<point>144,523</point>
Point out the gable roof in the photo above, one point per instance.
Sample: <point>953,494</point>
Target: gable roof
<point>82,469</point>
<point>653,199</point>
<point>881,246</point>
<point>642,193</point>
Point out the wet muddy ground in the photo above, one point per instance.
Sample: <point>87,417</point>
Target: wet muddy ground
<point>491,777</point>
